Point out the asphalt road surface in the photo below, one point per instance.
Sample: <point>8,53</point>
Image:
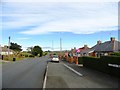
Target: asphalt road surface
<point>60,76</point>
<point>27,73</point>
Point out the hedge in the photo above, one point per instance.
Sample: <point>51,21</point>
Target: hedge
<point>80,60</point>
<point>101,64</point>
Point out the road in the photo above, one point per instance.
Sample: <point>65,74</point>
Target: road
<point>24,74</point>
<point>60,76</point>
<point>30,74</point>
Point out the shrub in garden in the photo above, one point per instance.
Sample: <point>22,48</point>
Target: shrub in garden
<point>26,55</point>
<point>31,55</point>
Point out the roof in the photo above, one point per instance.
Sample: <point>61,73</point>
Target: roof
<point>108,46</point>
<point>5,49</point>
<point>86,51</point>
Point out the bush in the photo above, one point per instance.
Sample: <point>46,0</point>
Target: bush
<point>80,60</point>
<point>101,64</point>
<point>91,62</point>
<point>26,55</point>
<point>115,54</point>
<point>31,55</point>
<point>45,53</point>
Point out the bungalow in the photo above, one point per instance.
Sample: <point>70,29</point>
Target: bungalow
<point>103,49</point>
<point>76,52</point>
<point>82,49</point>
<point>4,51</point>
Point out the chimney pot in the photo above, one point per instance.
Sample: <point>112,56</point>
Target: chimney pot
<point>99,42</point>
<point>112,39</point>
<point>85,46</point>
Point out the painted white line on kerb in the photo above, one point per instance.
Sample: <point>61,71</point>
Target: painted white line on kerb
<point>45,79</point>
<point>73,70</point>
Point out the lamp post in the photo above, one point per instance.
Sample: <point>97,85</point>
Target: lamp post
<point>52,45</point>
<point>0,49</point>
<point>9,46</point>
<point>60,45</point>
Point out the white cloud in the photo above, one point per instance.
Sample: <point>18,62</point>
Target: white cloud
<point>23,38</point>
<point>78,18</point>
<point>86,26</point>
<point>61,0</point>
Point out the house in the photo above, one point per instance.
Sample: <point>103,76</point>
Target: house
<point>76,52</point>
<point>82,49</point>
<point>4,51</point>
<point>103,49</point>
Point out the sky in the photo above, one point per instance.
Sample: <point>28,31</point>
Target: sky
<point>43,23</point>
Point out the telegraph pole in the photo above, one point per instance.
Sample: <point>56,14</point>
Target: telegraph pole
<point>52,45</point>
<point>0,49</point>
<point>60,45</point>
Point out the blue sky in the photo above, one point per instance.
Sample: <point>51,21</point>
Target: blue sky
<point>40,23</point>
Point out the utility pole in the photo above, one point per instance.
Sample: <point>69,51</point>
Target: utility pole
<point>9,46</point>
<point>52,45</point>
<point>0,49</point>
<point>60,48</point>
<point>60,45</point>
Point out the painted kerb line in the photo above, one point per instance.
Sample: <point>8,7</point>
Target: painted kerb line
<point>45,79</point>
<point>73,70</point>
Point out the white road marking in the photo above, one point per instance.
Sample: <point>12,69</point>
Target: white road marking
<point>45,79</point>
<point>73,70</point>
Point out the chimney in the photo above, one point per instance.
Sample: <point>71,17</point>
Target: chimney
<point>75,48</point>
<point>85,46</point>
<point>99,42</point>
<point>112,39</point>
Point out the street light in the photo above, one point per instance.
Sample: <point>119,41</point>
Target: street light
<point>9,46</point>
<point>52,45</point>
<point>60,45</point>
<point>0,49</point>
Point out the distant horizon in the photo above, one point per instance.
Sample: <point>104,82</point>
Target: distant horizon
<point>58,49</point>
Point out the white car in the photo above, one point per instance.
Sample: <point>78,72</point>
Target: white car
<point>55,58</point>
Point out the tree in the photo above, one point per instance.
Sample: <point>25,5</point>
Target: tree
<point>29,49</point>
<point>37,51</point>
<point>15,47</point>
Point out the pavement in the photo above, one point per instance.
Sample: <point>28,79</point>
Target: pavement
<point>59,76</point>
<point>24,74</point>
<point>96,76</point>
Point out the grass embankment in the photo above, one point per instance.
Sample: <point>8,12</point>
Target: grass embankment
<point>18,56</point>
<point>2,62</point>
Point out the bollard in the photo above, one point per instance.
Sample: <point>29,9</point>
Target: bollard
<point>2,57</point>
<point>14,59</point>
<point>76,61</point>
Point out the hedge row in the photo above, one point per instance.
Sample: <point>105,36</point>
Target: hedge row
<point>80,60</point>
<point>101,64</point>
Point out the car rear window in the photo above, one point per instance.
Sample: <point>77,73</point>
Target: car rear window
<point>55,56</point>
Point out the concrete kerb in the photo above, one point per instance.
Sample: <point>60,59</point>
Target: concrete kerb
<point>45,78</point>
<point>80,65</point>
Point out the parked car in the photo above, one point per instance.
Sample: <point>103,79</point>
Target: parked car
<point>55,58</point>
